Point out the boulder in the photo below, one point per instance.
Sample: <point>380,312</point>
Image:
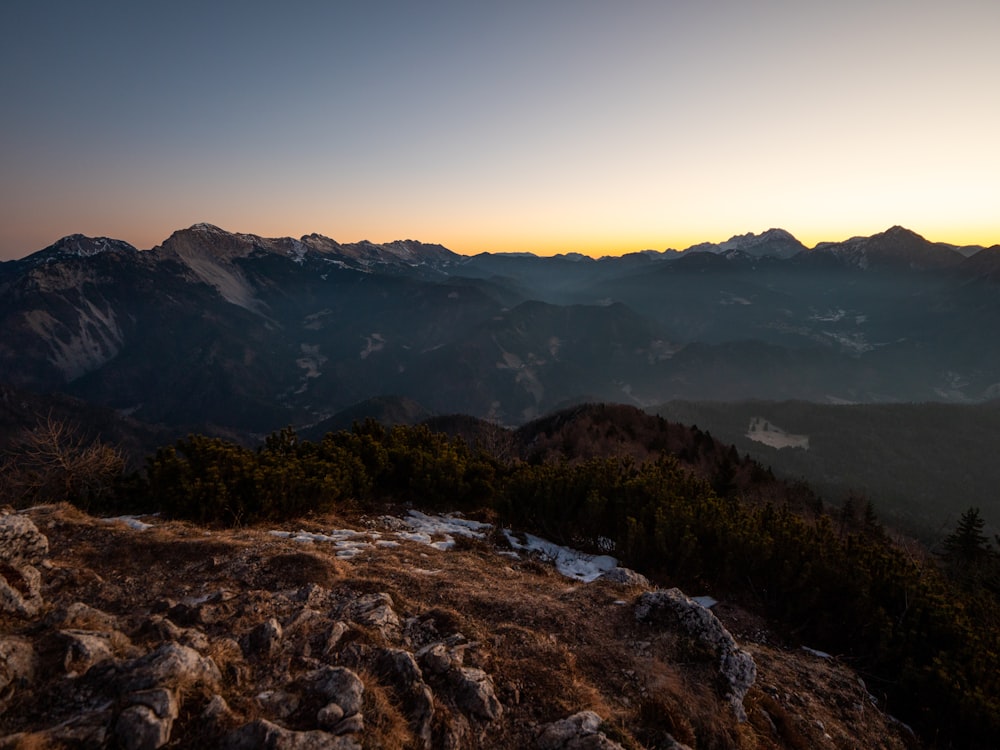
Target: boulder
<point>20,540</point>
<point>415,695</point>
<point>473,693</point>
<point>471,689</point>
<point>581,731</point>
<point>18,666</point>
<point>329,716</point>
<point>172,666</point>
<point>278,703</point>
<point>20,589</point>
<point>625,577</point>
<point>336,685</point>
<point>138,728</point>
<point>263,735</point>
<point>376,611</point>
<point>84,649</point>
<point>673,607</point>
<point>264,640</point>
<point>80,616</point>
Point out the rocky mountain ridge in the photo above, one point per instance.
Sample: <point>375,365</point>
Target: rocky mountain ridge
<point>234,331</point>
<point>143,634</point>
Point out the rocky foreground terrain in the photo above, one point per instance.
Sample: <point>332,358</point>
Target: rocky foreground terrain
<point>362,632</point>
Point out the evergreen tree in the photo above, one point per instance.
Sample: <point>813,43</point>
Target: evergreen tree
<point>967,545</point>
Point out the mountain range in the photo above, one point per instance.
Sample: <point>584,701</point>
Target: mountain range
<point>245,333</point>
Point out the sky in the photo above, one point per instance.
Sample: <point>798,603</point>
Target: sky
<point>541,126</point>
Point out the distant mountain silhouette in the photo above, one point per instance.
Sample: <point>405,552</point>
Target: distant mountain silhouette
<point>246,333</point>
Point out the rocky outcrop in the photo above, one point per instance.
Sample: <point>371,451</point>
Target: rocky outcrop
<point>625,577</point>
<point>265,735</point>
<point>672,607</point>
<point>581,731</point>
<point>18,665</point>
<point>22,547</point>
<point>189,639</point>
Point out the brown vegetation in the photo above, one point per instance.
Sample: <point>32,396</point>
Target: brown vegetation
<point>553,646</point>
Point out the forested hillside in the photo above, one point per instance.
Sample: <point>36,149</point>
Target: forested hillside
<point>689,512</point>
<point>922,465</point>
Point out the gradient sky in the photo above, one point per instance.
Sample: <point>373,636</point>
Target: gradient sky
<point>559,126</point>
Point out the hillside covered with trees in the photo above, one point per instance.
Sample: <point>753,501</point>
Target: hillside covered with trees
<point>668,501</point>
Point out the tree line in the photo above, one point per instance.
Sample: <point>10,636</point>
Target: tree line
<point>925,631</point>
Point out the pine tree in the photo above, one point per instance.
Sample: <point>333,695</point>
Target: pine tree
<point>967,545</point>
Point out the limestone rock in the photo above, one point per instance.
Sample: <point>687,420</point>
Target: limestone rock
<point>349,725</point>
<point>436,658</point>
<point>625,577</point>
<point>18,666</point>
<point>20,541</point>
<point>80,616</point>
<point>278,703</point>
<point>337,685</point>
<point>139,728</point>
<point>264,640</point>
<point>263,735</point>
<point>474,693</point>
<point>415,695</point>
<point>170,666</point>
<point>471,689</point>
<point>165,629</point>
<point>736,666</point>
<point>22,546</point>
<point>336,632</point>
<point>20,589</point>
<point>376,611</point>
<point>329,716</point>
<point>84,649</point>
<point>581,731</point>
<point>217,713</point>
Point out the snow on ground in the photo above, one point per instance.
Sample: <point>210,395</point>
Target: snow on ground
<point>762,431</point>
<point>347,542</point>
<point>439,532</point>
<point>132,522</point>
<point>569,562</point>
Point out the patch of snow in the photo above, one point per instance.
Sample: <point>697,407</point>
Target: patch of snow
<point>347,543</point>
<point>706,601</point>
<point>373,343</point>
<point>439,532</point>
<point>814,652</point>
<point>762,431</point>
<point>830,316</point>
<point>297,252</point>
<point>132,522</point>
<point>571,563</point>
<point>732,299</point>
<point>852,342</point>
<point>310,361</point>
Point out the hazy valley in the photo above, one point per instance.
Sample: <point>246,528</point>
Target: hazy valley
<point>845,403</point>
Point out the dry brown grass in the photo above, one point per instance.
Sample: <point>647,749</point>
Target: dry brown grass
<point>385,724</point>
<point>553,646</point>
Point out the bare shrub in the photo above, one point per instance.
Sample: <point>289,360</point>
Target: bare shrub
<point>55,462</point>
